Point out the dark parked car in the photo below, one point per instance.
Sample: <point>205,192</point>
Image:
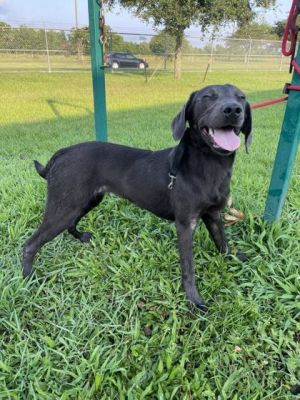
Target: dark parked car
<point>125,60</point>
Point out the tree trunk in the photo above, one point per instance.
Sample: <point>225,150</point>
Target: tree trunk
<point>178,52</point>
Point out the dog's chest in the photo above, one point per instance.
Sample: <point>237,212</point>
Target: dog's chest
<point>210,191</point>
<point>217,195</point>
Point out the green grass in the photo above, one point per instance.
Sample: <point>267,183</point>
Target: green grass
<point>111,321</point>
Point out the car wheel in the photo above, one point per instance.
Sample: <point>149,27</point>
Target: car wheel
<point>115,65</point>
<point>141,65</point>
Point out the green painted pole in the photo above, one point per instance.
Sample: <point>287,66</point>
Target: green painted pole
<point>97,71</point>
<point>286,152</point>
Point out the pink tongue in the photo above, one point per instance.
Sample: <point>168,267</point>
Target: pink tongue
<point>226,139</point>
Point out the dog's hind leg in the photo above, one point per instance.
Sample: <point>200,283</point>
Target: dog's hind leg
<point>46,232</point>
<point>56,220</point>
<point>85,236</point>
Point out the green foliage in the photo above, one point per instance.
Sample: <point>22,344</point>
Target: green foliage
<point>79,40</point>
<point>176,15</point>
<point>164,43</point>
<point>26,38</point>
<point>117,43</point>
<point>4,25</point>
<point>76,41</point>
<point>279,28</point>
<point>263,40</point>
<point>109,320</point>
<point>255,30</point>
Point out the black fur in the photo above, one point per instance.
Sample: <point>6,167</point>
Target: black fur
<point>40,169</point>
<point>79,176</point>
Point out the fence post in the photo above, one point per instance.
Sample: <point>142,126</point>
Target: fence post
<point>211,55</point>
<point>165,54</point>
<point>97,70</point>
<point>281,59</point>
<point>47,50</point>
<point>249,54</point>
<point>110,42</point>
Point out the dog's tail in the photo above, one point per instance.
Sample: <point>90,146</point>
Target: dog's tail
<point>41,170</point>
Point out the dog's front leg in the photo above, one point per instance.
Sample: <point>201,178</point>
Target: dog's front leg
<point>215,226</point>
<point>185,243</point>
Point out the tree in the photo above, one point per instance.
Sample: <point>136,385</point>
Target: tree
<point>117,43</point>
<point>264,34</point>
<point>4,25</point>
<point>279,28</point>
<point>164,43</point>
<point>79,41</point>
<point>26,38</point>
<point>177,15</point>
<point>255,30</point>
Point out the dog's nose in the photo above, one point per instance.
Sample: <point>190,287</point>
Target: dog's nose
<point>232,110</point>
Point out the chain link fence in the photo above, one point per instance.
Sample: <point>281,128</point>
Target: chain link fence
<point>54,50</point>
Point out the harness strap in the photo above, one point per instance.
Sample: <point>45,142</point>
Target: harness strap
<point>175,160</point>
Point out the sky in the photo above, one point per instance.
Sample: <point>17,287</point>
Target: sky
<point>61,14</point>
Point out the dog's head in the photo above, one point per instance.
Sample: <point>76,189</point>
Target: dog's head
<point>218,113</point>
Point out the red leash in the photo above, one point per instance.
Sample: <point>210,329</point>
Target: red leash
<point>266,103</point>
<point>290,33</point>
<point>291,30</point>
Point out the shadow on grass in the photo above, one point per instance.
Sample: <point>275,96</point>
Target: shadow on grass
<point>147,127</point>
<point>53,104</point>
<point>144,127</point>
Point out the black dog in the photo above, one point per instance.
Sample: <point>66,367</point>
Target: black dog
<point>181,184</point>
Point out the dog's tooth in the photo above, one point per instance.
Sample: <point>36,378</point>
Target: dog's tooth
<point>211,131</point>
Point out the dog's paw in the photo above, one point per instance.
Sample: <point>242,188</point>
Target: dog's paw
<point>200,305</point>
<point>242,257</point>
<point>295,389</point>
<point>86,237</point>
<point>27,274</point>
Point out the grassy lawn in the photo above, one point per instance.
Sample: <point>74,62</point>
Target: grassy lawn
<point>111,320</point>
<point>60,62</point>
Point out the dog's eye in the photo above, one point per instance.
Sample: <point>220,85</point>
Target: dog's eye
<point>210,96</point>
<point>242,97</point>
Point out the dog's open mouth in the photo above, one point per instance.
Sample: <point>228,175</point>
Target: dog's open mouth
<point>223,138</point>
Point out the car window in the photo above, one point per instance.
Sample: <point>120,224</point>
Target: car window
<point>130,57</point>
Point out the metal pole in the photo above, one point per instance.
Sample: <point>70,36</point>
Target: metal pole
<point>249,54</point>
<point>211,56</point>
<point>286,153</point>
<point>76,14</point>
<point>47,50</point>
<point>110,42</point>
<point>97,71</point>
<point>281,59</point>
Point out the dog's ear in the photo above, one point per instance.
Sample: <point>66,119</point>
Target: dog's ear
<point>247,127</point>
<point>179,122</point>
